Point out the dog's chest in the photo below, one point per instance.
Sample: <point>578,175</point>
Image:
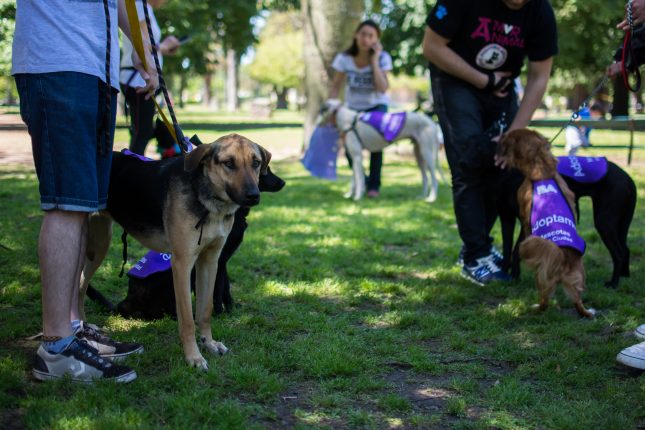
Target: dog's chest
<point>216,228</point>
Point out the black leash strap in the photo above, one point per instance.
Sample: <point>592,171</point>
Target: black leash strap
<point>576,114</point>
<point>200,225</point>
<point>102,146</point>
<point>628,54</point>
<point>181,140</point>
<point>124,240</point>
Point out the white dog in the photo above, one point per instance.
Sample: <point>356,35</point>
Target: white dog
<point>359,135</point>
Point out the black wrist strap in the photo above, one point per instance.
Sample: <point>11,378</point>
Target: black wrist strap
<point>491,82</point>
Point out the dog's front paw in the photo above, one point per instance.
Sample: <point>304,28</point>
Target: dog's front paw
<point>214,347</point>
<point>197,361</point>
<point>348,195</point>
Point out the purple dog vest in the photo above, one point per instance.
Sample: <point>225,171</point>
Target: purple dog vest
<point>151,263</point>
<point>586,170</point>
<point>551,216</point>
<point>388,124</point>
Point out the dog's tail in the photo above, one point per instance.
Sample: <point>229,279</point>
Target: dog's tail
<point>544,257</point>
<point>99,298</point>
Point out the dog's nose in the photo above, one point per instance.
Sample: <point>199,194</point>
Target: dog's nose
<point>252,197</point>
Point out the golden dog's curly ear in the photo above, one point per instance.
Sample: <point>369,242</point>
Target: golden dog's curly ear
<point>266,157</point>
<point>193,159</point>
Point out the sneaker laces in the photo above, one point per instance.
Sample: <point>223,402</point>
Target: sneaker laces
<point>91,355</point>
<point>489,262</point>
<point>89,332</point>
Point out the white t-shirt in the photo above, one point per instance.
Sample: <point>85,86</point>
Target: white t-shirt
<point>360,93</point>
<point>65,36</point>
<point>126,54</point>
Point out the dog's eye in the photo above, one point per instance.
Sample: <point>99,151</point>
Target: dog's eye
<point>229,163</point>
<point>256,164</point>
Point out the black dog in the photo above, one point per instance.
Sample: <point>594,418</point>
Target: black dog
<point>153,297</point>
<point>614,201</point>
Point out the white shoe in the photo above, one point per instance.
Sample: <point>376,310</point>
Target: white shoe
<point>640,332</point>
<point>633,356</point>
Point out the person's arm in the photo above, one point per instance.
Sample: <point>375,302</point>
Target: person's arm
<point>336,84</point>
<point>436,50</point>
<point>380,76</point>
<point>149,76</point>
<point>536,82</point>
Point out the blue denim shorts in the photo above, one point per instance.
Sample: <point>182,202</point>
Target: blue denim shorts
<point>64,113</point>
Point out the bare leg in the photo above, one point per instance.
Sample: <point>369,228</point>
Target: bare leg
<point>59,247</point>
<point>80,261</point>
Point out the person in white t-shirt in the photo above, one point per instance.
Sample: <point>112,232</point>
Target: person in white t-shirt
<point>363,69</point>
<point>141,110</point>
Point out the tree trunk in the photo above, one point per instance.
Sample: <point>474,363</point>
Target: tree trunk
<point>182,88</point>
<point>329,26</point>
<point>207,91</point>
<point>621,99</point>
<point>231,81</point>
<point>281,95</point>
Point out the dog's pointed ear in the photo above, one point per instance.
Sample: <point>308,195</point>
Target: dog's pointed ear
<point>266,157</point>
<point>194,158</point>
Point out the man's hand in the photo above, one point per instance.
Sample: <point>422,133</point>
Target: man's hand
<point>638,15</point>
<point>498,83</point>
<point>614,70</point>
<point>169,45</point>
<point>150,76</point>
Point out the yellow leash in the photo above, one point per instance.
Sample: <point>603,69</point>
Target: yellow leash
<point>137,42</point>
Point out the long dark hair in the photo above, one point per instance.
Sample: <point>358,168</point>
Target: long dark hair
<point>353,50</point>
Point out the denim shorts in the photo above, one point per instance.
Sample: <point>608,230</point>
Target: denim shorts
<point>64,113</point>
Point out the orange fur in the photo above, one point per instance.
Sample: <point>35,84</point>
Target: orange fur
<point>529,152</point>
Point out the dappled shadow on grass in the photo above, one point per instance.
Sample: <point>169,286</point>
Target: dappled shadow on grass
<point>351,315</point>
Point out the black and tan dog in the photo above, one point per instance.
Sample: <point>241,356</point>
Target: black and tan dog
<point>153,297</point>
<point>184,206</point>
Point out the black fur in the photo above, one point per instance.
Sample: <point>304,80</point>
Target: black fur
<point>614,202</point>
<point>154,297</point>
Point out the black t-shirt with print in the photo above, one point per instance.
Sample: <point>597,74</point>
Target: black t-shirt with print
<point>490,36</point>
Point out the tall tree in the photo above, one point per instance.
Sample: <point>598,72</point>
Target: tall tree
<point>328,27</point>
<point>278,57</point>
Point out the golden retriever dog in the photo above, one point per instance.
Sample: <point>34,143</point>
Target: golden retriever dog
<point>552,247</point>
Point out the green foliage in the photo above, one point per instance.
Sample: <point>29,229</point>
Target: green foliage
<point>214,26</point>
<point>7,24</point>
<point>279,55</point>
<point>587,37</point>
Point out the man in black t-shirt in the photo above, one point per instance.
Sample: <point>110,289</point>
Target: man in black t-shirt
<point>476,49</point>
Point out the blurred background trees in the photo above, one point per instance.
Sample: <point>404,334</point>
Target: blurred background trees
<point>250,48</point>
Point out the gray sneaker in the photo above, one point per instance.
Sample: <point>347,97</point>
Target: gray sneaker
<point>81,362</point>
<point>633,356</point>
<point>105,346</point>
<point>640,332</point>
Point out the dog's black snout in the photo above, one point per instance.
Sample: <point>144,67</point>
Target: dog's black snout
<point>252,197</point>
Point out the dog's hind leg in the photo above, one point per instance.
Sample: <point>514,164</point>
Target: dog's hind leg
<point>99,235</point>
<point>206,273</point>
<point>358,174</point>
<point>574,284</point>
<point>422,168</point>
<point>428,147</point>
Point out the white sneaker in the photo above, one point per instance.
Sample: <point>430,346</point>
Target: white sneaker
<point>633,356</point>
<point>81,362</point>
<point>640,332</point>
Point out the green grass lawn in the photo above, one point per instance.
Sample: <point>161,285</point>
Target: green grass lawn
<point>352,315</point>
